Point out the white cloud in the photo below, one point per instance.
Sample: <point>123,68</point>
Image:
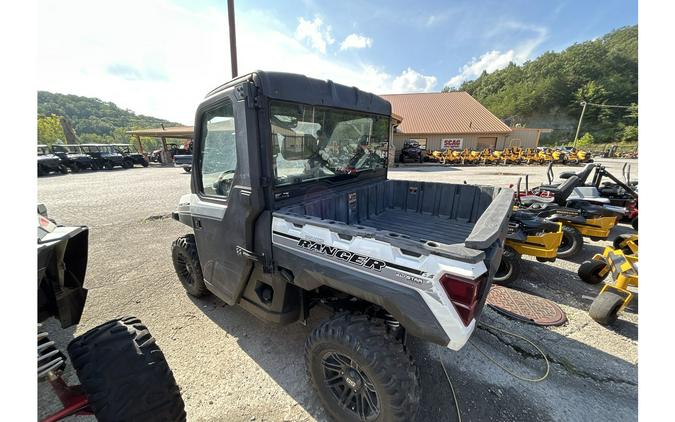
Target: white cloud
<point>312,31</point>
<point>356,41</point>
<point>164,73</point>
<point>412,81</point>
<point>496,59</point>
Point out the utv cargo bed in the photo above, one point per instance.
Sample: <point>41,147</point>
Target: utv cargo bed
<point>436,217</point>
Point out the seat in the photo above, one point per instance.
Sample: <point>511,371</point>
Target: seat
<point>587,193</point>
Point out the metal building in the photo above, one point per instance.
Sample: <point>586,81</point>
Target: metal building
<point>442,120</point>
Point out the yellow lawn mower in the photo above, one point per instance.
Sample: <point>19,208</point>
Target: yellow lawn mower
<point>621,261</point>
<point>527,235</point>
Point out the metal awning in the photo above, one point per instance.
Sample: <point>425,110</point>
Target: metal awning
<point>179,132</point>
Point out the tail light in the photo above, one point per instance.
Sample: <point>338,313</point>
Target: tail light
<point>463,294</point>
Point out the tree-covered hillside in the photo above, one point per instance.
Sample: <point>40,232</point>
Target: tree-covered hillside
<point>93,120</point>
<point>547,91</point>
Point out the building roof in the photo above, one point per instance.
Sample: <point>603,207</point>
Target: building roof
<point>180,132</point>
<point>443,113</point>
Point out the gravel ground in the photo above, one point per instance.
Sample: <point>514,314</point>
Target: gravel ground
<point>231,365</point>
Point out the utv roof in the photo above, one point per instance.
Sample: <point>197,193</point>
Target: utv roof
<point>301,89</point>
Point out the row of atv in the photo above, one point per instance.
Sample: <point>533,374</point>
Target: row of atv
<point>64,158</point>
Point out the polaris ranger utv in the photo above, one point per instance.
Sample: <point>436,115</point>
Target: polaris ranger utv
<point>291,208</point>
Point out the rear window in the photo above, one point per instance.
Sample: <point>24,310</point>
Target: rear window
<point>311,143</point>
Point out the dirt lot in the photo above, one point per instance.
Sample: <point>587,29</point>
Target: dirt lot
<point>232,366</point>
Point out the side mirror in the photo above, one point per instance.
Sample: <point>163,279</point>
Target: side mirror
<point>298,147</point>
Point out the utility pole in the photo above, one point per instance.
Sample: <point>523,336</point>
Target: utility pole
<point>233,38</point>
<point>583,110</point>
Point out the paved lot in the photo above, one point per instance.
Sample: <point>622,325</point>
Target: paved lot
<point>232,366</point>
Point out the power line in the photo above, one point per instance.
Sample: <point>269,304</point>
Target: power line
<point>608,105</point>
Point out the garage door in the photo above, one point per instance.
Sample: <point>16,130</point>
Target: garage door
<point>487,142</point>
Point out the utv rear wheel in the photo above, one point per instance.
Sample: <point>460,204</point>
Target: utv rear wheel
<point>187,169</point>
<point>605,308</point>
<point>571,242</point>
<point>186,264</point>
<point>145,163</point>
<point>509,267</point>
<point>589,272</point>
<point>127,164</point>
<point>125,375</point>
<point>360,371</point>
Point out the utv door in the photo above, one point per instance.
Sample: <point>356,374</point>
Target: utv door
<point>225,179</point>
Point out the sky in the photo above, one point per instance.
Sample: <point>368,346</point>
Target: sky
<point>160,57</point>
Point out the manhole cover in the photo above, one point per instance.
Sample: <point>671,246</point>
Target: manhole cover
<point>525,307</point>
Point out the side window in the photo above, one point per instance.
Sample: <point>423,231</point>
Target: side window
<point>219,152</point>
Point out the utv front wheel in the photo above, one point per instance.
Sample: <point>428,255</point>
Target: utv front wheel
<point>125,375</point>
<point>186,264</point>
<point>360,371</point>
<point>509,267</point>
<point>571,242</point>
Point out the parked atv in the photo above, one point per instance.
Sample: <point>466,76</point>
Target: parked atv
<point>105,156</point>
<point>131,155</point>
<point>412,152</point>
<point>73,157</point>
<point>123,373</point>
<point>48,162</point>
<point>286,218</point>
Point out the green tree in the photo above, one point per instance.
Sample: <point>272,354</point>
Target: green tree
<point>49,129</point>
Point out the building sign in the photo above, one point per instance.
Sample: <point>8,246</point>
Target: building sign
<point>452,143</point>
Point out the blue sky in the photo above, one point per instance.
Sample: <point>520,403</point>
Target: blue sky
<point>160,57</point>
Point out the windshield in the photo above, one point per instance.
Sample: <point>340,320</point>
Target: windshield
<point>313,142</point>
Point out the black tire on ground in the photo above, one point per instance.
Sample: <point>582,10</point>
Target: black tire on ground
<point>589,272</point>
<point>571,242</point>
<point>75,168</point>
<point>187,169</point>
<point>605,308</point>
<point>186,264</point>
<point>145,163</point>
<point>124,373</point>
<point>360,360</point>
<point>634,224</point>
<point>41,171</point>
<point>509,267</point>
<point>95,166</point>
<point>127,164</point>
<point>63,169</point>
<point>108,165</point>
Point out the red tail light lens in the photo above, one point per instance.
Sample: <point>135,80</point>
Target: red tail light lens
<point>463,294</point>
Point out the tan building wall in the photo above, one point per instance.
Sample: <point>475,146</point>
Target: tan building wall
<point>522,137</point>
<point>434,141</point>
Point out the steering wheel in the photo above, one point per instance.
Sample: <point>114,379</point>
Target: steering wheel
<point>223,184</point>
